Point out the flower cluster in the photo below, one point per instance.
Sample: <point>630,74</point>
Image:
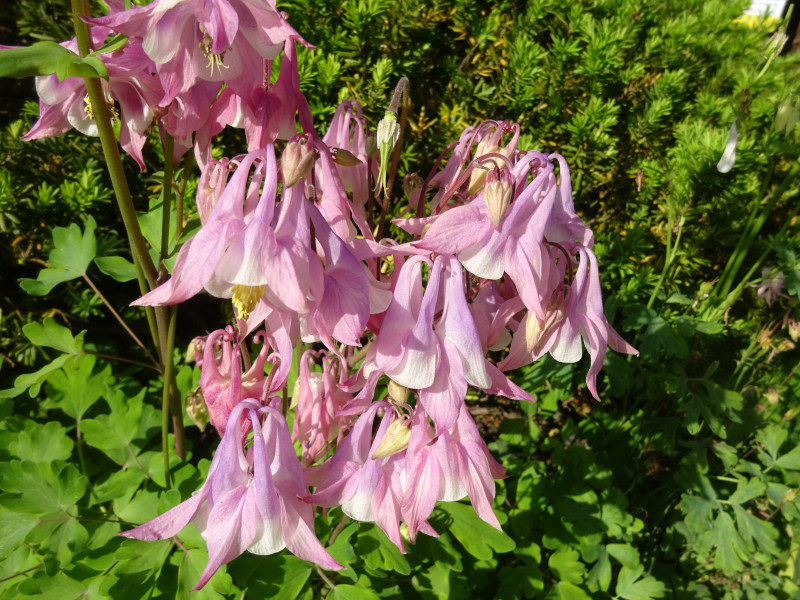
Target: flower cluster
<point>496,271</point>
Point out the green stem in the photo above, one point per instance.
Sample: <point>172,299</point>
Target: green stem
<point>727,272</point>
<point>122,192</point>
<point>188,162</point>
<point>671,252</point>
<point>166,395</point>
<point>746,241</point>
<point>111,151</point>
<point>400,94</point>
<point>166,197</point>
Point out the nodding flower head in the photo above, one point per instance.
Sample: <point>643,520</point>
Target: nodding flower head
<point>497,193</point>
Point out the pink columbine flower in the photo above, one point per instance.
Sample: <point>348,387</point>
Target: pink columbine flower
<point>400,473</point>
<point>319,396</point>
<point>211,40</point>
<point>247,248</point>
<point>573,319</point>
<point>438,354</point>
<point>64,105</point>
<point>250,499</point>
<point>225,382</point>
<point>771,285</point>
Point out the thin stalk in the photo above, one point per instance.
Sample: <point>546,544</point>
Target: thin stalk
<point>111,153</point>
<point>166,395</point>
<point>727,272</point>
<point>166,197</point>
<point>400,92</point>
<point>670,256</point>
<point>732,268</point>
<point>138,363</point>
<point>188,161</point>
<point>120,321</point>
<point>122,192</point>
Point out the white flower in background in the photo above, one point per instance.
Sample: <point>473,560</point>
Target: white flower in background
<point>725,163</point>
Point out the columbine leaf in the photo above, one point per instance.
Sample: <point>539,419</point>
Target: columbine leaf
<point>43,489</point>
<point>599,577</point>
<point>631,587</point>
<point>69,259</point>
<point>74,389</point>
<point>116,267</point>
<point>569,591</point>
<point>72,65</point>
<point>478,538</point>
<point>40,58</point>
<point>380,553</point>
<point>351,592</point>
<point>756,532</point>
<point>747,490</point>
<point>730,545</point>
<point>191,566</point>
<point>790,460</point>
<point>772,438</point>
<point>567,565</point>
<point>42,443</point>
<point>121,434</point>
<point>52,335</point>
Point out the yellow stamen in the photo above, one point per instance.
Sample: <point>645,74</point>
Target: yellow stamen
<point>245,298</point>
<point>214,60</point>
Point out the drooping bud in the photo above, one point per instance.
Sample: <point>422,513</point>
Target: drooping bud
<point>794,330</point>
<point>787,116</point>
<point>211,185</point>
<point>397,392</point>
<point>395,439</point>
<point>497,194</point>
<point>197,410</point>
<point>486,146</point>
<point>296,161</point>
<point>537,332</point>
<point>344,157</point>
<point>387,136</point>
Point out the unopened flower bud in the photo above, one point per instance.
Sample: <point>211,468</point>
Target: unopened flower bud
<point>794,330</point>
<point>197,410</point>
<point>395,439</point>
<point>486,146</point>
<point>497,194</point>
<point>533,331</point>
<point>397,392</point>
<point>194,352</point>
<point>296,161</point>
<point>388,134</point>
<point>787,116</point>
<point>344,157</point>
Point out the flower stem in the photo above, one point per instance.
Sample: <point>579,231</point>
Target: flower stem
<point>166,198</point>
<point>400,93</point>
<point>120,320</point>
<point>749,236</point>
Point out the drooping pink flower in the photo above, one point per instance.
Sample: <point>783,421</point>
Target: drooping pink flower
<point>250,499</point>
<point>320,395</point>
<point>210,40</point>
<point>64,105</point>
<point>405,468</point>
<point>573,319</point>
<point>438,355</point>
